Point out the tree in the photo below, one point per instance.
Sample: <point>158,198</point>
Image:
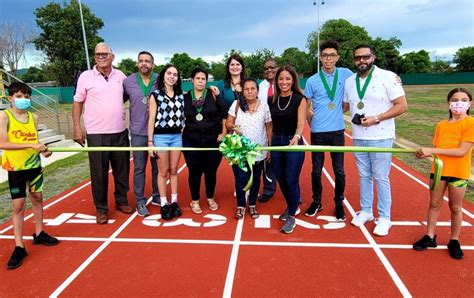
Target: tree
<point>440,66</point>
<point>415,62</point>
<point>61,38</point>
<point>304,63</point>
<point>127,66</point>
<point>35,74</point>
<point>387,54</point>
<point>342,31</point>
<point>186,64</point>
<point>464,58</point>
<point>217,70</point>
<point>254,62</point>
<point>13,41</point>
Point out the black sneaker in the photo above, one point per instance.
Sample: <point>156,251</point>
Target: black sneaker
<point>424,243</point>
<point>313,209</point>
<point>44,239</point>
<point>175,210</point>
<point>166,212</point>
<point>264,198</point>
<point>340,214</point>
<point>455,250</point>
<point>19,253</point>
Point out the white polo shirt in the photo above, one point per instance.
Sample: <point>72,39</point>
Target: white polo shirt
<point>381,91</point>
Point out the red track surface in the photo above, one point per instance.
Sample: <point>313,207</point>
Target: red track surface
<point>222,256</point>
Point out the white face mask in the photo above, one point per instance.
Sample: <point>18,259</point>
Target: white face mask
<point>459,107</point>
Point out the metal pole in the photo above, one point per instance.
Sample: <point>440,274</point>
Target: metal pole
<point>319,29</point>
<point>84,36</point>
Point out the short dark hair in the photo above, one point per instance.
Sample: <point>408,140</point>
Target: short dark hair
<point>147,53</point>
<point>270,59</point>
<point>198,70</point>
<point>329,44</point>
<point>364,46</point>
<point>16,87</point>
<point>250,80</point>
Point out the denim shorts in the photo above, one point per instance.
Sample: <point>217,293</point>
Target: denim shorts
<point>167,140</point>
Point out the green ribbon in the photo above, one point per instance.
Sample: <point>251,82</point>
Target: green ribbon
<point>240,151</point>
<point>438,168</point>
<point>331,92</point>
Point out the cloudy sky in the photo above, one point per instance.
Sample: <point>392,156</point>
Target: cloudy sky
<point>210,28</point>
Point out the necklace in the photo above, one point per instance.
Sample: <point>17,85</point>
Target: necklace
<point>278,102</point>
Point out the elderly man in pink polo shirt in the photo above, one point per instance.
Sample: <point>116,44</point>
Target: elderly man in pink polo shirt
<point>99,92</point>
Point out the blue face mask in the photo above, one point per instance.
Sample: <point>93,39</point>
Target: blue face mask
<point>22,103</point>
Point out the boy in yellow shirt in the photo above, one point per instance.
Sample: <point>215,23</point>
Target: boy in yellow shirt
<point>19,140</point>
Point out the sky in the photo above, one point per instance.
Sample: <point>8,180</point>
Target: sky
<point>210,28</point>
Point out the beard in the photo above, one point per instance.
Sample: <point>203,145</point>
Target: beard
<point>361,69</point>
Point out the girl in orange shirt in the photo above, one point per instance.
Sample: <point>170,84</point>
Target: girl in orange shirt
<point>453,142</point>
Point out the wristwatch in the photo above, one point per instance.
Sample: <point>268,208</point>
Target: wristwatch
<point>377,120</point>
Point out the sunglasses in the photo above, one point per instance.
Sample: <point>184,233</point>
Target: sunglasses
<point>269,68</point>
<point>363,57</point>
<point>101,55</point>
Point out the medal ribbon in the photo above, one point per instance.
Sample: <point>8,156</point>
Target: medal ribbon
<point>361,93</point>
<point>146,89</point>
<point>203,97</point>
<point>331,92</point>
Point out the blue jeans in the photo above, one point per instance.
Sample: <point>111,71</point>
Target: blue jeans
<point>374,166</point>
<point>139,167</point>
<point>241,179</point>
<point>287,168</point>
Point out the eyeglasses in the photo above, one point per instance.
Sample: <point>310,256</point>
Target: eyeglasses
<point>101,55</point>
<point>326,56</point>
<point>269,68</point>
<point>363,57</point>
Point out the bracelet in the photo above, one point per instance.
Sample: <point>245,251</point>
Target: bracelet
<point>298,136</point>
<point>377,120</point>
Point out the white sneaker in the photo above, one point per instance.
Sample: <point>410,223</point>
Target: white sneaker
<point>361,218</point>
<point>382,227</point>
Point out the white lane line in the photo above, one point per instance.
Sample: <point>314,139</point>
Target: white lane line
<point>242,243</point>
<point>391,271</point>
<point>385,262</point>
<point>229,280</point>
<point>50,204</point>
<point>465,211</point>
<point>101,248</point>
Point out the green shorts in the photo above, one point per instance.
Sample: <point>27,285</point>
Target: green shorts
<point>453,181</point>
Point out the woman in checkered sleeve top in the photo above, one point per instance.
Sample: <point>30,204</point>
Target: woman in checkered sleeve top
<point>165,124</point>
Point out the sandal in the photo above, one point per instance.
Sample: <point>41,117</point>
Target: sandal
<point>239,214</point>
<point>253,212</point>
<point>195,207</point>
<point>213,206</point>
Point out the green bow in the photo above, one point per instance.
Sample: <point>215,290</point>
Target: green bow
<point>241,151</point>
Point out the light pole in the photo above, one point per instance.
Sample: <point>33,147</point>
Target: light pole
<point>318,3</point>
<point>84,37</point>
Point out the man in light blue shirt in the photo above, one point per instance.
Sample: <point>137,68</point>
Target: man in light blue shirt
<point>324,91</point>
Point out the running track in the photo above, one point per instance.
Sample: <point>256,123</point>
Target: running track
<point>214,255</point>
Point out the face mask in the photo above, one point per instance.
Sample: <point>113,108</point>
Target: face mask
<point>459,107</point>
<point>22,103</point>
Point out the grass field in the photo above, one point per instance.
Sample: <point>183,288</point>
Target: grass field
<point>427,106</point>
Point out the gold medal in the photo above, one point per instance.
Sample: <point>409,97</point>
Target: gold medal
<point>199,117</point>
<point>360,105</point>
<point>332,106</point>
<point>145,100</point>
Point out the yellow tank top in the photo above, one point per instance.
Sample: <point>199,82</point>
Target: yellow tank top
<point>21,133</point>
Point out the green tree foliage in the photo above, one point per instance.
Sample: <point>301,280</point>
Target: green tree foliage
<point>387,54</point>
<point>158,68</point>
<point>254,62</point>
<point>304,63</point>
<point>186,64</point>
<point>217,70</point>
<point>441,66</point>
<point>61,38</point>
<point>348,36</point>
<point>464,58</point>
<point>415,62</point>
<point>35,74</point>
<point>127,66</point>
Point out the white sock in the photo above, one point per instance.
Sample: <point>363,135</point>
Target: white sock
<point>174,198</point>
<point>164,201</point>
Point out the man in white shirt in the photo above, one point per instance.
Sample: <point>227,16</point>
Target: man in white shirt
<point>374,97</point>
<point>266,88</point>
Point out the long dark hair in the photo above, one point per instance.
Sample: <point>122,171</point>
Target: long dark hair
<point>228,77</point>
<point>244,105</point>
<point>455,90</point>
<point>295,87</point>
<point>160,82</point>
